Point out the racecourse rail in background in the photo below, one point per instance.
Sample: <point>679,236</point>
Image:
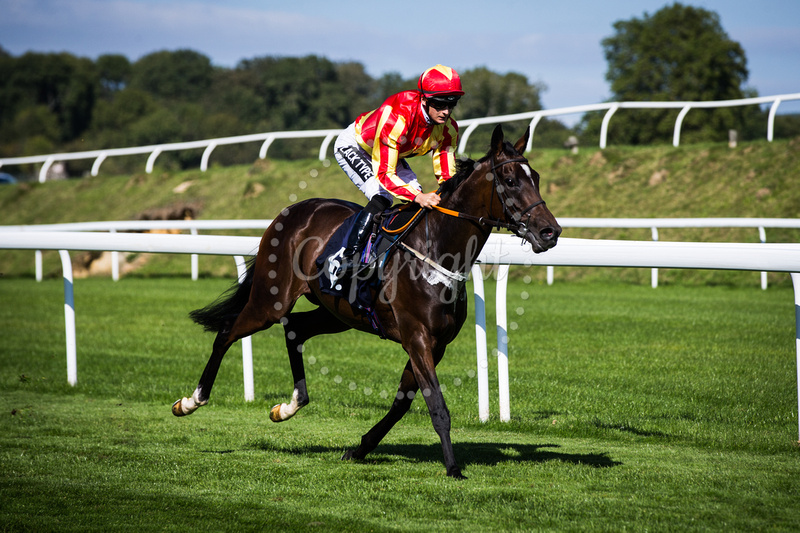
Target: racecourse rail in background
<point>501,250</point>
<point>328,135</point>
<point>194,225</point>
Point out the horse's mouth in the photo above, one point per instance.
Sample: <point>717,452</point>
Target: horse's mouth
<point>544,239</point>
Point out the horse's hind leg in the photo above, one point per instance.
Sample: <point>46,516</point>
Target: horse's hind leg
<point>400,406</point>
<point>298,328</point>
<point>249,321</point>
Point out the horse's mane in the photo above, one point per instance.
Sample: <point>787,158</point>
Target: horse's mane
<point>465,167</point>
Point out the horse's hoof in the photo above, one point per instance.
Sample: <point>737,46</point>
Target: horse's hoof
<point>275,413</point>
<point>177,410</point>
<point>347,455</point>
<point>455,473</point>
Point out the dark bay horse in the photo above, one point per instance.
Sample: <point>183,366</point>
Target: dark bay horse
<point>423,300</point>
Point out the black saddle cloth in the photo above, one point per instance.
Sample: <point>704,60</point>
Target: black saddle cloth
<point>360,288</point>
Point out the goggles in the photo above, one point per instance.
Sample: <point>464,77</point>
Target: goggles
<point>440,103</point>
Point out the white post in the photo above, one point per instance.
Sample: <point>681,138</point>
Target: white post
<point>206,155</point>
<point>796,284</point>
<point>151,160</point>
<point>195,268</point>
<point>773,109</point>
<point>69,318</point>
<point>323,149</point>
<point>604,125</point>
<point>38,262</point>
<point>502,342</point>
<point>480,343</point>
<point>262,153</point>
<point>247,343</point>
<point>550,276</point>
<point>114,262</point>
<point>763,236</point>
<point>676,135</point>
<point>654,271</point>
<point>462,142</point>
<point>45,167</point>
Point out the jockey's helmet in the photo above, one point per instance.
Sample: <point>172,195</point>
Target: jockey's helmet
<point>441,83</point>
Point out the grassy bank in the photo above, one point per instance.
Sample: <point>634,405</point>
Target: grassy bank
<point>754,180</point>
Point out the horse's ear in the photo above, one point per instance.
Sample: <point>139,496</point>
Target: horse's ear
<point>497,139</point>
<point>522,143</point>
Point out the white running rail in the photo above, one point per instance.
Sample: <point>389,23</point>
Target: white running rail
<point>502,250</point>
<point>266,139</point>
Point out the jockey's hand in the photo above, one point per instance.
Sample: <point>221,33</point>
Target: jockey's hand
<point>429,199</point>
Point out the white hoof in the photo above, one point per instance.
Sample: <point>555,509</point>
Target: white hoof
<point>284,411</point>
<point>187,406</point>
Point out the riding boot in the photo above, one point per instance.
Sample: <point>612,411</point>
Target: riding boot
<point>362,229</point>
<point>360,233</point>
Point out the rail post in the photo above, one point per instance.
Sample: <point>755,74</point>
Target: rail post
<point>247,343</point>
<point>502,342</point>
<point>480,343</point>
<point>69,318</point>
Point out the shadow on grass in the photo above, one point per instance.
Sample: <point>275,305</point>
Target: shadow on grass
<point>629,429</point>
<point>469,453</point>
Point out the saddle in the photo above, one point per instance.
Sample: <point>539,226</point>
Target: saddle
<point>360,289</point>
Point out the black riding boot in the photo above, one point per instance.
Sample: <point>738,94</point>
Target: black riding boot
<point>362,229</point>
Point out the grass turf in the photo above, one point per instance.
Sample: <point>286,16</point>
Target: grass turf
<point>632,408</point>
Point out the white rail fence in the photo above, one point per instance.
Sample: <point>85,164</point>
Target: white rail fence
<point>328,135</point>
<point>193,226</point>
<point>503,250</point>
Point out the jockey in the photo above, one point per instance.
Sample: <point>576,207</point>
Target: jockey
<point>372,150</point>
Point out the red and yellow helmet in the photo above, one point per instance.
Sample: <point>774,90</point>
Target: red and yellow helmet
<point>440,83</point>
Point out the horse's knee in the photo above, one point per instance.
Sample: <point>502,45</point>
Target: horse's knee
<point>441,420</point>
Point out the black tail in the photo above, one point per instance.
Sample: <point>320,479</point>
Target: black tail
<point>227,307</point>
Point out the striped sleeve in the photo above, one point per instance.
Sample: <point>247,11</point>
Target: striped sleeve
<point>390,130</point>
<point>444,160</point>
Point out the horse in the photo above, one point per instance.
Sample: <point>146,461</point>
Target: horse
<point>422,303</point>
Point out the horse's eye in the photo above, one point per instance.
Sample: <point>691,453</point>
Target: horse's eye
<point>510,182</point>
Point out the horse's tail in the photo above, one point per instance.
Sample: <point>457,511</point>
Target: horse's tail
<point>227,307</point>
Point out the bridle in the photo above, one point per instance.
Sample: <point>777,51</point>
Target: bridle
<point>516,225</point>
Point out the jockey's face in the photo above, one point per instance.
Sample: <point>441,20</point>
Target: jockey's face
<point>438,116</point>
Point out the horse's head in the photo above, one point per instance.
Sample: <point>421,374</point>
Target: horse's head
<point>516,199</point>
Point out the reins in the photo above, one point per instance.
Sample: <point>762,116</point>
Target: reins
<point>496,223</point>
<point>517,227</point>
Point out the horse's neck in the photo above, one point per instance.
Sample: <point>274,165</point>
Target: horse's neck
<point>455,242</point>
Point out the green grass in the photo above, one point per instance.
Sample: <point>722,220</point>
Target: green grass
<point>632,409</point>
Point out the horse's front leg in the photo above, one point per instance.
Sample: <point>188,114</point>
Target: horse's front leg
<point>400,406</point>
<point>423,361</point>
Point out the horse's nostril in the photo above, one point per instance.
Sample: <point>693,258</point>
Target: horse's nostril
<point>547,233</point>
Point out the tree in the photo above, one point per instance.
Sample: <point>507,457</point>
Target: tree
<point>680,53</point>
<point>490,94</point>
<point>115,72</point>
<point>180,75</point>
<point>62,84</point>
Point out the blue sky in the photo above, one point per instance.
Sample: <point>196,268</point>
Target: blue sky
<point>555,42</point>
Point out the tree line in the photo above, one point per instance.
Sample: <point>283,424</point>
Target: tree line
<point>53,102</point>
<point>57,101</point>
